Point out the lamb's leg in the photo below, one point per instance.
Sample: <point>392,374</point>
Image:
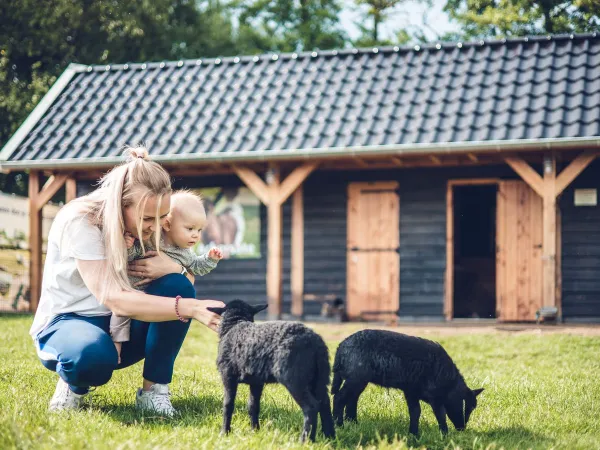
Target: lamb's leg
<point>254,404</point>
<point>230,385</point>
<point>440,414</point>
<point>339,403</point>
<point>414,412</point>
<point>352,403</point>
<point>310,408</point>
<point>325,413</point>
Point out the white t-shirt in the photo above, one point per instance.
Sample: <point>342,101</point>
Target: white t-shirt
<point>63,289</point>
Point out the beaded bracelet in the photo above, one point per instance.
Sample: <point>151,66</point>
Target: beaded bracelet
<point>177,309</point>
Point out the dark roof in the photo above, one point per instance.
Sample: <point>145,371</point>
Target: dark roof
<point>441,96</point>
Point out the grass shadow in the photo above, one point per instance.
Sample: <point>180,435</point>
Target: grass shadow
<point>205,411</point>
<point>374,430</point>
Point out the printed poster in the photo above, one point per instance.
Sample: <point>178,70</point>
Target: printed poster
<point>232,222</point>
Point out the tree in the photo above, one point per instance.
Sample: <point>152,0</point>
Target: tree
<point>290,25</point>
<point>377,11</point>
<point>497,18</point>
<point>39,39</point>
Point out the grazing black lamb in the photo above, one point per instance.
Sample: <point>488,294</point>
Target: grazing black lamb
<point>419,367</point>
<point>273,352</point>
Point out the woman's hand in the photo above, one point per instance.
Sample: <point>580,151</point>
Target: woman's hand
<point>152,267</point>
<point>203,315</point>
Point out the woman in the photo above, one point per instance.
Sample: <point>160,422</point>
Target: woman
<point>85,278</point>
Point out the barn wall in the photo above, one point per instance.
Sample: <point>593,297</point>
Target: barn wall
<point>581,251</point>
<point>422,241</point>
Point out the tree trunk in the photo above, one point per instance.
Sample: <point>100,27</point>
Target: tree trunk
<point>376,21</point>
<point>548,24</point>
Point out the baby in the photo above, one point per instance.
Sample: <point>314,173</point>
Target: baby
<point>181,231</point>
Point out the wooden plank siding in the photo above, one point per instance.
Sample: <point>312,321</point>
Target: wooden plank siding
<point>581,251</point>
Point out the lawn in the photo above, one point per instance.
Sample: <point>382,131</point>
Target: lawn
<point>541,391</point>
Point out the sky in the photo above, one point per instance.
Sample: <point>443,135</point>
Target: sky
<point>406,15</point>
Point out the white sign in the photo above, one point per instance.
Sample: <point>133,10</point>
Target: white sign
<point>586,197</point>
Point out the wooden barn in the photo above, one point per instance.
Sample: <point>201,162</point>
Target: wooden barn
<point>427,183</point>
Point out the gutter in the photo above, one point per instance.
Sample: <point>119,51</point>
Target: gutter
<point>447,148</point>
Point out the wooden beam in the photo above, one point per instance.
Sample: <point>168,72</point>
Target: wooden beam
<point>559,262</point>
<point>473,157</point>
<point>436,160</point>
<point>449,291</point>
<point>571,172</point>
<point>530,176</point>
<point>254,183</point>
<point>71,189</point>
<point>549,232</point>
<point>397,161</point>
<point>293,180</point>
<point>51,187</point>
<point>297,279</point>
<point>274,252</point>
<point>35,241</point>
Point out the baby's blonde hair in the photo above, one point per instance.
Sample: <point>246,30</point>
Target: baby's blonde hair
<point>182,195</point>
<point>118,188</point>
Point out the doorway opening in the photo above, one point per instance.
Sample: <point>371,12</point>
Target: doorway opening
<point>474,251</point>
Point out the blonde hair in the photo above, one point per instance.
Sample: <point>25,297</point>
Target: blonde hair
<point>182,195</point>
<point>139,177</point>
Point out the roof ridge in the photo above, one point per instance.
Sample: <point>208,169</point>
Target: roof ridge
<point>273,56</point>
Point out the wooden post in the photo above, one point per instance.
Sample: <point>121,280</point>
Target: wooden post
<point>275,255</point>
<point>549,187</point>
<point>298,253</point>
<point>273,194</point>
<point>71,189</point>
<point>35,241</point>
<point>549,232</point>
<point>449,290</point>
<point>37,200</point>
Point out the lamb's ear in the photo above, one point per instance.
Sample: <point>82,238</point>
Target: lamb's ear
<point>216,309</point>
<point>259,308</point>
<point>476,392</point>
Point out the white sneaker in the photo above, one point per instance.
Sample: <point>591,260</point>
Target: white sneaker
<point>156,400</point>
<point>64,398</point>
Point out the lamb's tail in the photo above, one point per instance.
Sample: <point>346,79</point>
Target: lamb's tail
<point>337,376</point>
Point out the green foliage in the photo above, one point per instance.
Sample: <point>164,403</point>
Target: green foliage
<point>497,18</point>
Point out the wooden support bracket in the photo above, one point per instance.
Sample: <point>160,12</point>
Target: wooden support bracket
<point>549,187</point>
<point>273,194</point>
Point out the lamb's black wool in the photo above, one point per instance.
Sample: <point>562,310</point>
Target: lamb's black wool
<point>273,352</point>
<point>419,367</point>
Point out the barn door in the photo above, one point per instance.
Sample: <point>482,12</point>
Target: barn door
<point>373,266</point>
<point>519,252</point>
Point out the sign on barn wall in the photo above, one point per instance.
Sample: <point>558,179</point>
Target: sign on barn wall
<point>586,197</point>
<point>14,249</point>
<point>232,222</point>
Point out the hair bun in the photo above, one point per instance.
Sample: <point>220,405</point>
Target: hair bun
<point>136,152</point>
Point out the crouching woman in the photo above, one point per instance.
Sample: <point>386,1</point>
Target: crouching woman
<point>85,279</point>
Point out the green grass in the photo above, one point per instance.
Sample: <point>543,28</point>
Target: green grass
<point>541,391</point>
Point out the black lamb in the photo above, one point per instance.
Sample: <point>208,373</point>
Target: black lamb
<point>273,352</point>
<point>419,367</point>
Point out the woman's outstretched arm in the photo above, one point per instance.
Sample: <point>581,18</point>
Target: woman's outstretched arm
<point>140,306</point>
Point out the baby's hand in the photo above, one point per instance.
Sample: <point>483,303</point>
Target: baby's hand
<point>129,240</point>
<point>118,347</point>
<point>215,253</point>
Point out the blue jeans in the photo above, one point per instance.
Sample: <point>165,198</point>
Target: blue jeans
<point>81,351</point>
